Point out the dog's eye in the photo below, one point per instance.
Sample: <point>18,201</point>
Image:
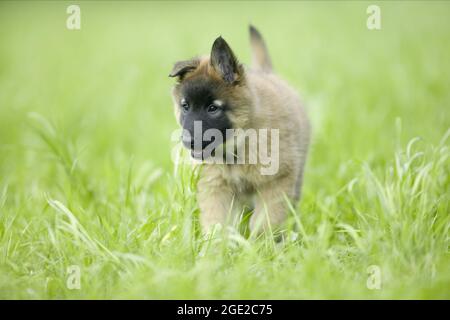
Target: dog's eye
<point>184,105</point>
<point>212,108</point>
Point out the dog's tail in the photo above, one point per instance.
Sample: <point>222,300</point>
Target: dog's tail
<point>260,55</point>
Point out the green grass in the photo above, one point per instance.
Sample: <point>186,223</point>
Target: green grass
<point>86,177</point>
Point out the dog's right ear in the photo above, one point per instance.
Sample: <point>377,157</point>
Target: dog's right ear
<point>182,67</point>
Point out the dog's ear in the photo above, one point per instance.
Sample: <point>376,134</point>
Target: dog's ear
<point>224,61</point>
<point>180,68</point>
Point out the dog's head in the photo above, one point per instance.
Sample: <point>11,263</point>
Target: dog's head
<point>211,94</point>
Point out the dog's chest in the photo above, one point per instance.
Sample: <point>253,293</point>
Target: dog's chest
<point>242,178</point>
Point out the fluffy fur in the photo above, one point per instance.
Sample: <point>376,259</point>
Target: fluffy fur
<point>255,98</point>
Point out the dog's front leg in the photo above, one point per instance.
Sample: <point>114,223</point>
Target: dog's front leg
<point>215,199</point>
<point>271,206</point>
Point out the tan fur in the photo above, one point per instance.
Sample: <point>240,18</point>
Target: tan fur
<point>260,56</point>
<point>261,101</point>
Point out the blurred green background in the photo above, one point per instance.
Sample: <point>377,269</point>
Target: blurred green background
<point>86,117</point>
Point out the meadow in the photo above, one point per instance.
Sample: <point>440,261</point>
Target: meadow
<point>87,182</point>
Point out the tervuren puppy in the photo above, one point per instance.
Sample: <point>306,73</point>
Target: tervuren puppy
<point>218,92</point>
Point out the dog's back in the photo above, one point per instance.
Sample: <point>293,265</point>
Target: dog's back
<point>278,106</point>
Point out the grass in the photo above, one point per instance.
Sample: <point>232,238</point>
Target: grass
<point>86,177</point>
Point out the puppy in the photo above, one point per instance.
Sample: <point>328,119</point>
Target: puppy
<point>220,94</point>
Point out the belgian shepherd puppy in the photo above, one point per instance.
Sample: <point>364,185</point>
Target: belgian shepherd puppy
<point>219,93</point>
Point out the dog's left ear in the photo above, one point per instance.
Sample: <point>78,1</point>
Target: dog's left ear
<point>224,61</point>
<point>182,67</point>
